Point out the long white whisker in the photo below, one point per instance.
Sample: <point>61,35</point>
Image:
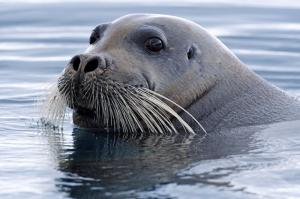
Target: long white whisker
<point>177,105</point>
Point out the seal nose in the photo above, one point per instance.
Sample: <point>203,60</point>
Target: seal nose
<point>87,64</point>
<point>75,62</point>
<point>91,65</point>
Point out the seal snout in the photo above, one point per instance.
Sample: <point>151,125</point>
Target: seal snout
<point>89,63</point>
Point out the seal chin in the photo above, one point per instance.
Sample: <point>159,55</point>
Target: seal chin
<point>85,112</point>
<point>85,118</point>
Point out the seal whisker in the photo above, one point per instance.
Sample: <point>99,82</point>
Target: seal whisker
<point>116,113</point>
<point>119,107</point>
<point>125,110</point>
<point>155,124</point>
<point>132,114</point>
<point>161,116</point>
<point>148,108</point>
<point>54,107</point>
<point>86,90</point>
<point>181,108</point>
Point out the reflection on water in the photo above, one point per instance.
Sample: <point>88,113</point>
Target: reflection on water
<point>36,40</point>
<point>110,164</point>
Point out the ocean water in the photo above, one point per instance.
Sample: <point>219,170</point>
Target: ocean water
<point>36,42</point>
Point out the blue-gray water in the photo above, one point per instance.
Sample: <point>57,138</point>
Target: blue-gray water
<point>36,41</point>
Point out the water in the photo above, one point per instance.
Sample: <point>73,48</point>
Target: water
<point>36,41</point>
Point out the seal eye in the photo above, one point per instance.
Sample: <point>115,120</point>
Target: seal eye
<point>97,33</point>
<point>154,44</point>
<point>94,37</point>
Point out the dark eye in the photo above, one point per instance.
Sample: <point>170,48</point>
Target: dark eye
<point>154,44</point>
<point>98,33</point>
<point>94,37</point>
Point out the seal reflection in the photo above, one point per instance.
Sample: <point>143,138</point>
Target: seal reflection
<point>110,165</point>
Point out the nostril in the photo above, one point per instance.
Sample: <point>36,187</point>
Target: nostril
<point>75,62</point>
<point>91,65</point>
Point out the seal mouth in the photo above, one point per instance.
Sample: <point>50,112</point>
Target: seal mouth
<point>85,117</point>
<point>115,107</point>
<point>85,112</point>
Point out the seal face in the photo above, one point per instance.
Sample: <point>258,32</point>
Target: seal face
<point>125,56</point>
<point>141,69</point>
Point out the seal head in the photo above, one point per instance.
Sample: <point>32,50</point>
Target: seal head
<point>138,58</point>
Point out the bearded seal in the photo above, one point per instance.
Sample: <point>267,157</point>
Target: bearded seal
<point>143,70</point>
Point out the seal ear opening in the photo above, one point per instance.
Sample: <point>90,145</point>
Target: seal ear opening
<point>191,52</point>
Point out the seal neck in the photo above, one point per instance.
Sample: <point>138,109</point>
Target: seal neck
<point>241,100</point>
